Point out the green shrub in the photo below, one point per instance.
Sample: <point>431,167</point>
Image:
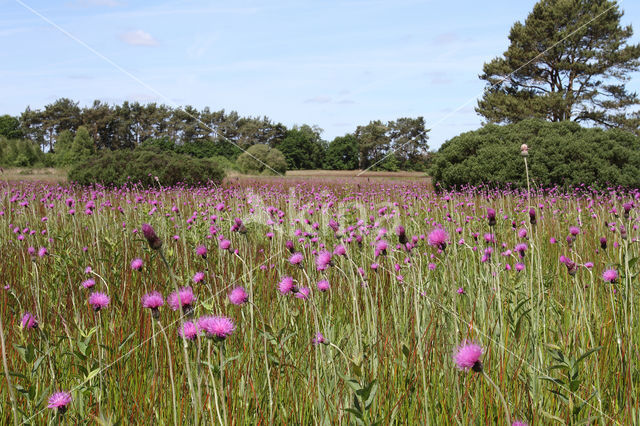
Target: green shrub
<point>144,165</point>
<point>261,158</point>
<point>561,153</point>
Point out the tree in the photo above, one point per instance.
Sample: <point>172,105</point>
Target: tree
<point>10,127</point>
<point>63,149</point>
<point>82,147</point>
<point>261,158</point>
<point>409,141</point>
<point>303,148</point>
<point>568,61</point>
<point>342,153</point>
<point>373,142</point>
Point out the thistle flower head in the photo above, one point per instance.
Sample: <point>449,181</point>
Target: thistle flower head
<point>183,298</point>
<point>29,321</point>
<point>98,300</point>
<point>218,328</point>
<point>150,234</point>
<point>136,264</point>
<point>467,356</point>
<point>287,286</point>
<point>438,238</point>
<point>59,401</point>
<point>238,296</point>
<point>610,275</point>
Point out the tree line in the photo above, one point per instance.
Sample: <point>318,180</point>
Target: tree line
<point>205,133</point>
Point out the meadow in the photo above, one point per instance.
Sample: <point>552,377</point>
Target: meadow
<point>322,301</point>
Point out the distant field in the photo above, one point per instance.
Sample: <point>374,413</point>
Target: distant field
<point>58,175</point>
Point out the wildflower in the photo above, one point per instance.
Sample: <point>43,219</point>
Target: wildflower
<point>29,321</point>
<point>136,264</point>
<point>201,251</point>
<point>519,266</point>
<point>154,242</point>
<point>574,230</point>
<point>319,339</point>
<point>189,331</point>
<point>532,216</point>
<point>323,285</point>
<point>588,265</point>
<point>287,286</point>
<point>522,233</point>
<point>381,248</point>
<point>467,357</point>
<point>339,250</point>
<point>98,300</point>
<point>198,277</point>
<point>323,261</point>
<point>519,423</point>
<point>460,290</point>
<point>184,299</point>
<point>88,283</point>
<point>153,301</point>
<point>603,243</point>
<point>402,235</point>
<point>438,238</point>
<point>218,328</point>
<point>491,215</point>
<point>42,252</point>
<point>225,244</point>
<point>59,401</point>
<point>238,296</point>
<point>289,245</point>
<point>296,259</point>
<point>610,275</point>
<point>303,293</point>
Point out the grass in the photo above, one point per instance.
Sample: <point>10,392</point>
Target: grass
<point>558,347</point>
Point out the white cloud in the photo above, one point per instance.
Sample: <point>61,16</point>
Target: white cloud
<point>318,100</point>
<point>138,38</point>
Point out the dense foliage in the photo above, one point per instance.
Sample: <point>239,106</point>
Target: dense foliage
<point>261,159</point>
<point>559,154</point>
<point>146,166</point>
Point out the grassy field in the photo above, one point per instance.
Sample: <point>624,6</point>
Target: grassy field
<point>360,304</point>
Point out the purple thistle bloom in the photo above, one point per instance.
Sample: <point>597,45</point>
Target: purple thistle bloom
<point>218,328</point>
<point>603,242</point>
<point>88,283</point>
<point>438,238</point>
<point>296,258</point>
<point>491,215</point>
<point>225,245</point>
<point>521,248</point>
<point>184,299</point>
<point>323,261</point>
<point>287,286</point>
<point>238,296</point>
<point>150,234</point>
<point>59,401</point>
<point>319,339</point>
<point>519,266</point>
<point>339,250</point>
<point>98,300</point>
<point>289,245</point>
<point>303,293</point>
<point>323,285</point>
<point>42,252</point>
<point>136,264</point>
<point>519,423</point>
<point>381,248</point>
<point>467,357</point>
<point>610,275</point>
<point>201,251</point>
<point>574,230</point>
<point>189,331</point>
<point>29,321</point>
<point>198,277</point>
<point>153,301</point>
<point>532,216</point>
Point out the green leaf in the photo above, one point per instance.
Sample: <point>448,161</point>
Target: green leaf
<point>587,353</point>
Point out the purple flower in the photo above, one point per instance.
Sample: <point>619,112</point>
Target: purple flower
<point>303,293</point>
<point>467,357</point>
<point>438,238</point>
<point>189,331</point>
<point>42,252</point>
<point>98,300</point>
<point>519,423</point>
<point>381,248</point>
<point>154,242</point>
<point>460,290</point>
<point>136,264</point>
<point>218,328</point>
<point>238,296</point>
<point>29,321</point>
<point>339,250</point>
<point>225,244</point>
<point>323,285</point>
<point>491,215</point>
<point>287,286</point>
<point>183,298</point>
<point>59,401</point>
<point>323,261</point>
<point>574,230</point>
<point>610,275</point>
<point>198,277</point>
<point>201,251</point>
<point>296,258</point>
<point>519,266</point>
<point>88,283</point>
<point>319,339</point>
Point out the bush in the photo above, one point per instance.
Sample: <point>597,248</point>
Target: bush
<point>342,154</point>
<point>20,153</point>
<point>144,165</point>
<point>261,158</point>
<point>561,153</point>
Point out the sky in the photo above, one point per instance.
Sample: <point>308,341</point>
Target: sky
<point>334,64</point>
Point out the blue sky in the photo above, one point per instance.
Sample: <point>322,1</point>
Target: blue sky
<point>335,64</point>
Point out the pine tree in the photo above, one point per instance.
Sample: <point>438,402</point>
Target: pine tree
<point>570,61</point>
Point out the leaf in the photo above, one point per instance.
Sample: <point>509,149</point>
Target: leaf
<point>126,339</point>
<point>587,353</point>
<point>552,417</point>
<point>92,374</point>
